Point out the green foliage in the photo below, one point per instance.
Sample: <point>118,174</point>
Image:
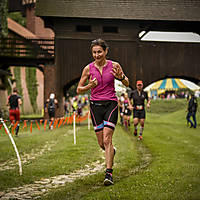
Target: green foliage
<point>72,90</point>
<point>168,106</point>
<point>31,82</point>
<point>5,82</point>
<point>3,18</point>
<point>17,74</point>
<point>9,89</point>
<point>17,16</point>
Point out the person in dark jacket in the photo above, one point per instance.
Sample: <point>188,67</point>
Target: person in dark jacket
<point>50,106</point>
<point>192,109</point>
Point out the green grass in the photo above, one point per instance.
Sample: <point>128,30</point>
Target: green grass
<point>165,165</point>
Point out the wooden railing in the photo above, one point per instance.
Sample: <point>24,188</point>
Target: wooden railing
<point>29,48</point>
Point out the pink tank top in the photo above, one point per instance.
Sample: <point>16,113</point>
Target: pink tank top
<point>105,89</point>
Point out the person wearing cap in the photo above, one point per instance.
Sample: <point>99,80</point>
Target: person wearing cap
<point>138,97</point>
<point>50,107</point>
<point>14,101</point>
<point>99,77</point>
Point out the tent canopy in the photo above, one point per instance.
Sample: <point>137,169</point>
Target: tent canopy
<point>169,84</point>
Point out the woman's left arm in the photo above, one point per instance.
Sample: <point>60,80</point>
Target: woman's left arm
<point>119,74</point>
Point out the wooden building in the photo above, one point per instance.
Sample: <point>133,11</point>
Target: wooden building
<point>76,23</point>
<point>30,46</point>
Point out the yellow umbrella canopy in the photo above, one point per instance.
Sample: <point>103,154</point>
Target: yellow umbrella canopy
<point>167,84</point>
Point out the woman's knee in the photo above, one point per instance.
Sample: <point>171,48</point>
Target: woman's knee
<point>107,142</point>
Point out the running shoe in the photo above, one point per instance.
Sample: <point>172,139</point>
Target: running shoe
<point>140,137</point>
<point>108,179</point>
<point>16,130</point>
<point>135,132</point>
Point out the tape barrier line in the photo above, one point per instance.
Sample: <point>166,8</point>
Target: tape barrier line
<point>57,123</point>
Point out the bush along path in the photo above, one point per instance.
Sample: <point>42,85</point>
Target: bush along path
<point>44,186</point>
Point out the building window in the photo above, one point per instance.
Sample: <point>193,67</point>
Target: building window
<point>110,29</point>
<point>83,28</point>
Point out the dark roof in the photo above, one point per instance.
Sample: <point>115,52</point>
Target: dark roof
<point>184,10</point>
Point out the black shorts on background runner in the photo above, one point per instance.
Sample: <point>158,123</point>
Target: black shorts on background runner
<point>104,114</point>
<point>51,113</point>
<point>127,112</point>
<point>140,114</point>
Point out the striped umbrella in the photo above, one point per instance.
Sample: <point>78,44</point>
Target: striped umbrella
<point>169,84</point>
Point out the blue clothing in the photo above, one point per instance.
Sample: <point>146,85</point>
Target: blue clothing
<point>193,115</point>
<point>192,109</point>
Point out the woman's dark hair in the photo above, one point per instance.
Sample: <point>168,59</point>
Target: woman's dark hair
<point>99,42</point>
<point>15,90</point>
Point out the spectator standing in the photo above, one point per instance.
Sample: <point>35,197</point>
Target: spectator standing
<point>192,109</point>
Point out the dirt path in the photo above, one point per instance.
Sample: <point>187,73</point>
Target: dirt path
<point>43,186</point>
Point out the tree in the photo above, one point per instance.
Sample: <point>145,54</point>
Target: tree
<point>3,18</point>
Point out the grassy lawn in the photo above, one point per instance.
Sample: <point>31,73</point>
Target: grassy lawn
<point>165,165</point>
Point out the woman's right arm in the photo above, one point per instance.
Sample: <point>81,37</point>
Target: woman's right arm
<point>84,77</point>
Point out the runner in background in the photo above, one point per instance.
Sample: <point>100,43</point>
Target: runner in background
<point>126,110</point>
<point>79,108</point>
<point>120,105</point>
<point>14,101</point>
<point>138,97</point>
<point>50,106</point>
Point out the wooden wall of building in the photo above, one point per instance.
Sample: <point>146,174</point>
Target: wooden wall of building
<point>149,61</point>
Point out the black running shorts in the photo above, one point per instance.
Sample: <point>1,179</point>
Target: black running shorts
<point>51,113</point>
<point>104,114</point>
<point>127,112</point>
<point>140,114</point>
